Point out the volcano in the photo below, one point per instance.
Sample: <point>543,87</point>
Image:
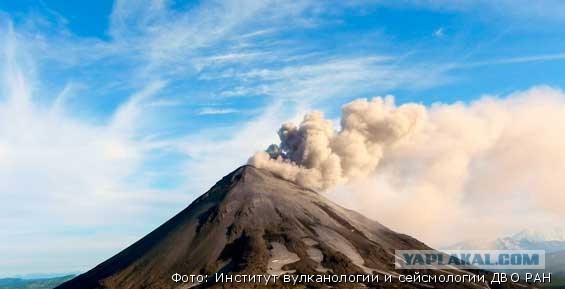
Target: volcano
<point>253,222</point>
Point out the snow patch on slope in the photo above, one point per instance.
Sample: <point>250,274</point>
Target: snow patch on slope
<point>340,244</point>
<point>280,256</point>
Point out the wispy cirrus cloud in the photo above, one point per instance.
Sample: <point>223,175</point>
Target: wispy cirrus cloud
<point>59,171</point>
<point>91,174</point>
<point>515,60</point>
<point>213,111</point>
<point>545,10</point>
<point>338,77</point>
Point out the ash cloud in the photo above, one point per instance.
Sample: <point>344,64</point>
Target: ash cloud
<point>494,165</point>
<point>315,155</point>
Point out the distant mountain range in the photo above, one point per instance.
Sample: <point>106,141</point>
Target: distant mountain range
<point>552,240</point>
<point>41,283</point>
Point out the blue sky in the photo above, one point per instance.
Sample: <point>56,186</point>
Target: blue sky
<point>114,115</point>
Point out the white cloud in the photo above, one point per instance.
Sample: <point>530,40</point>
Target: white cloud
<point>164,36</point>
<point>336,77</point>
<point>514,60</point>
<point>213,111</point>
<point>439,33</point>
<point>552,10</point>
<point>58,171</point>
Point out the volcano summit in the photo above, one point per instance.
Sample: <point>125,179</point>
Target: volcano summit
<point>253,222</point>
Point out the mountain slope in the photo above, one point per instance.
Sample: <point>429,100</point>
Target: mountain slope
<point>555,263</point>
<point>253,222</point>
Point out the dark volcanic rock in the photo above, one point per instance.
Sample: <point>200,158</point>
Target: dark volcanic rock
<point>254,222</point>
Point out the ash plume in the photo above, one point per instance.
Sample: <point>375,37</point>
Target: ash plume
<point>505,153</point>
<point>314,155</point>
